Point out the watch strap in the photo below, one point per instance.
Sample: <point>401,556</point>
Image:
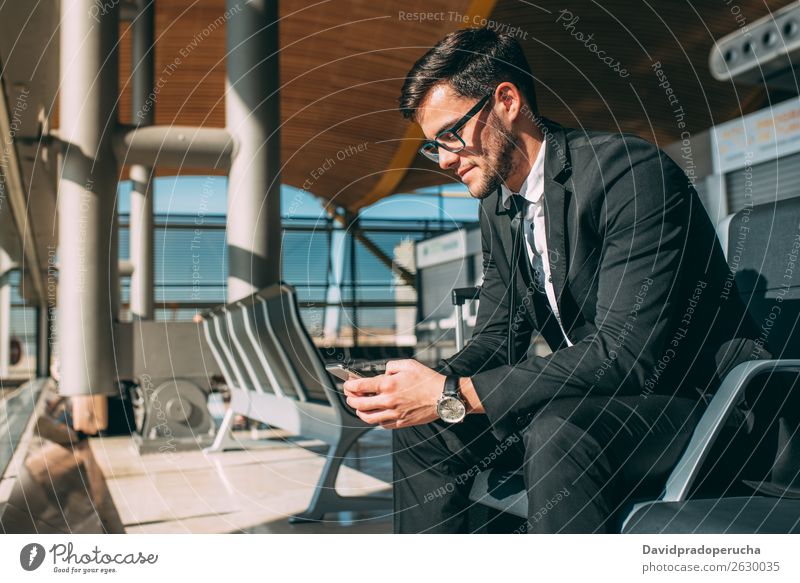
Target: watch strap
<point>451,386</point>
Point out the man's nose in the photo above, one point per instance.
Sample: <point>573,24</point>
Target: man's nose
<point>447,159</point>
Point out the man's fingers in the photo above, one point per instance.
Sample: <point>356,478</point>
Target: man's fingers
<point>368,403</point>
<point>378,417</point>
<point>361,387</point>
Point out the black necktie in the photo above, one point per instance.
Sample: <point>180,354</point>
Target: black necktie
<point>533,271</point>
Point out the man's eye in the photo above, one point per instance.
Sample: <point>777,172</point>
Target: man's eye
<point>447,138</point>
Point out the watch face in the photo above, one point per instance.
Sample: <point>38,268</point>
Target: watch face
<point>451,410</point>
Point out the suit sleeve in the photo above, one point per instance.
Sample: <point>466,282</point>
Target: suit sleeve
<point>487,347</point>
<point>644,224</point>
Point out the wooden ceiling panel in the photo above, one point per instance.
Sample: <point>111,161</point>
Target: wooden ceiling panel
<point>342,66</point>
<point>343,63</point>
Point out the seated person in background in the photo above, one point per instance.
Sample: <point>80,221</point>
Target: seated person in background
<point>598,242</point>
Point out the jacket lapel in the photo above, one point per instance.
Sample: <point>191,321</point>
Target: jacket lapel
<point>557,170</point>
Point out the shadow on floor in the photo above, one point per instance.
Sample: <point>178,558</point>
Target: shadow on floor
<point>59,489</point>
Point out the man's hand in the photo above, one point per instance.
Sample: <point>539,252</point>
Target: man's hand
<point>406,395</point>
<point>89,413</point>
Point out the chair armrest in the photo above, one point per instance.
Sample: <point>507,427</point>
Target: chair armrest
<point>711,423</point>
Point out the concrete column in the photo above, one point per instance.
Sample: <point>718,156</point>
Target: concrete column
<point>141,223</point>
<point>87,189</point>
<point>43,341</point>
<point>353,278</point>
<point>6,265</point>
<point>334,295</point>
<point>252,114</point>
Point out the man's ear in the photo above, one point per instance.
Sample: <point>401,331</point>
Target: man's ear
<point>508,96</point>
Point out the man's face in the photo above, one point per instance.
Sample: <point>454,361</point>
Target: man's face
<point>488,158</point>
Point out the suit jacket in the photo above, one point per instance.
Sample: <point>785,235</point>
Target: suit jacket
<point>639,278</point>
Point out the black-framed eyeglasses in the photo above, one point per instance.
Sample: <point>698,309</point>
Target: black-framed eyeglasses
<point>449,138</point>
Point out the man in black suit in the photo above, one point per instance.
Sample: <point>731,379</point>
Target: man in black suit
<point>598,242</point>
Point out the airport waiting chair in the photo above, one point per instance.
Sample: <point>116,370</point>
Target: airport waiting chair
<point>277,376</point>
<point>740,472</point>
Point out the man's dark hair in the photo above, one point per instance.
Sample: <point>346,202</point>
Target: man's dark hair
<point>472,61</point>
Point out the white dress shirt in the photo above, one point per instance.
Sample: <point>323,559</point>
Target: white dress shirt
<point>535,234</point>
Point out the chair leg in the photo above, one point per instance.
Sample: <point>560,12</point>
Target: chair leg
<point>326,498</point>
<point>224,438</point>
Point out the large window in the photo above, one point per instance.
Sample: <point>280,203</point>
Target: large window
<point>352,281</point>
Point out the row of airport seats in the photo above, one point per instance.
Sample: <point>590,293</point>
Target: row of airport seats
<point>277,376</point>
<point>740,472</point>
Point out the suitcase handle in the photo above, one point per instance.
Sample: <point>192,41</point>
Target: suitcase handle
<point>461,295</point>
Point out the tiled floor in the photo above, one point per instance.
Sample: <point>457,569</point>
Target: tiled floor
<point>105,485</point>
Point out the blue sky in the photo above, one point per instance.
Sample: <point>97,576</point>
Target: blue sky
<point>186,195</point>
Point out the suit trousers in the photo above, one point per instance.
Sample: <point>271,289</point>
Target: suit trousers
<point>582,461</point>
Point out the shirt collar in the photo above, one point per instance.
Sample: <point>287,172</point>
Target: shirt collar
<point>533,187</point>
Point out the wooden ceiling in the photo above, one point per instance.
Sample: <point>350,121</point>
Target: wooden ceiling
<point>343,63</point>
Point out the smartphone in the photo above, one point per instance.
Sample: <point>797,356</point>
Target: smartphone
<point>364,370</point>
<point>344,372</point>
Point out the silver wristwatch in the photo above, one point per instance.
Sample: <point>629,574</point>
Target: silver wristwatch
<point>451,407</point>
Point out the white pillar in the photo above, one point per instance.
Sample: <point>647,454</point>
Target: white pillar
<point>87,188</point>
<point>334,296</point>
<point>141,223</point>
<point>252,114</point>
<point>6,265</point>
